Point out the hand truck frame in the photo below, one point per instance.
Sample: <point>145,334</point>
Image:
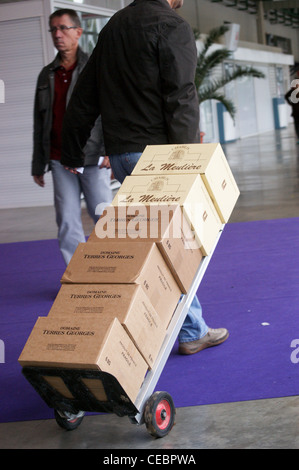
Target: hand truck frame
<point>155,409</point>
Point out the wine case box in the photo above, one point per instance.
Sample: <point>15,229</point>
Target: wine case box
<point>86,343</point>
<point>127,263</point>
<point>208,160</point>
<point>186,190</point>
<point>126,302</point>
<point>164,225</point>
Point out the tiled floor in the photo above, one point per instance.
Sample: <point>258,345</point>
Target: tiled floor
<point>266,168</point>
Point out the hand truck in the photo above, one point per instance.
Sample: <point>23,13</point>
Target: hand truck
<point>154,409</point>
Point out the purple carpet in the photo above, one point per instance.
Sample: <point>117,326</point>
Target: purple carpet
<point>251,287</point>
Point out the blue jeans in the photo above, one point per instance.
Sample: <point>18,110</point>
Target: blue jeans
<point>123,165</point>
<point>94,183</point>
<point>194,326</point>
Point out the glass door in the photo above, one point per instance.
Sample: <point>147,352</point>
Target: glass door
<point>92,25</point>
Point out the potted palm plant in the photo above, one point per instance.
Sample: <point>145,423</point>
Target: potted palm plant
<point>209,86</point>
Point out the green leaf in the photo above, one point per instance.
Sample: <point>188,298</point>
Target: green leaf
<point>208,87</point>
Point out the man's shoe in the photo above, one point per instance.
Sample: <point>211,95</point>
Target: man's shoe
<point>212,338</point>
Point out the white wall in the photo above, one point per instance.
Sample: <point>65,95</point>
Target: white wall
<point>205,15</point>
<point>23,53</point>
<point>25,47</point>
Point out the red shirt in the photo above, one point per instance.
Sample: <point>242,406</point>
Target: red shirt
<point>63,79</point>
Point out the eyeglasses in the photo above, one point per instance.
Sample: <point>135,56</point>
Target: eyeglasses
<point>61,28</point>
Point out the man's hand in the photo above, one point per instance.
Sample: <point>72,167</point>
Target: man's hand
<point>72,170</point>
<point>105,163</point>
<point>39,179</point>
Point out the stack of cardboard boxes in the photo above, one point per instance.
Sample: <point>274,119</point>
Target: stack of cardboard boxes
<point>121,288</point>
<point>197,177</point>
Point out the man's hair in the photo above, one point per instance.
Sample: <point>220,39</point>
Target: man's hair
<point>66,11</point>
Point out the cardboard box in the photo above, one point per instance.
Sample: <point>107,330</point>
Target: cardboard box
<point>126,302</point>
<point>139,263</point>
<point>164,225</point>
<point>187,191</point>
<point>86,343</point>
<point>208,160</point>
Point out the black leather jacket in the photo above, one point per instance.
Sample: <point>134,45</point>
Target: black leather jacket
<point>44,95</point>
<point>140,77</point>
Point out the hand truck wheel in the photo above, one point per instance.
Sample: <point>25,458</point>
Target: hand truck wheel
<point>159,414</point>
<point>67,420</point>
